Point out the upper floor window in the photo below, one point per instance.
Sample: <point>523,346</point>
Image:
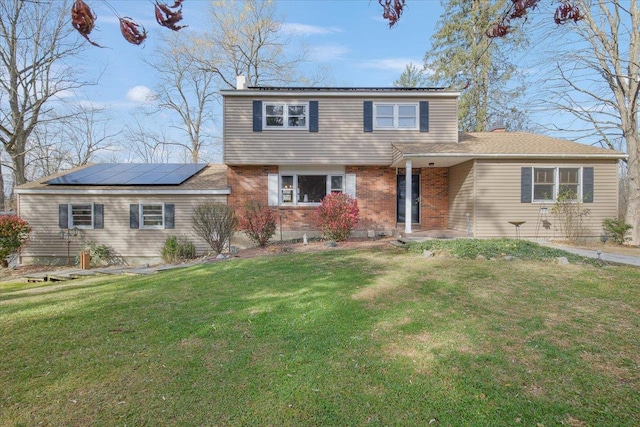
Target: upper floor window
<point>285,116</point>
<point>551,183</point>
<point>395,116</point>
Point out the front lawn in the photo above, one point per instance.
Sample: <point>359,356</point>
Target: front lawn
<point>377,337</point>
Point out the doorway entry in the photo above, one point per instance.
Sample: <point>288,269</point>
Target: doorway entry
<point>415,198</point>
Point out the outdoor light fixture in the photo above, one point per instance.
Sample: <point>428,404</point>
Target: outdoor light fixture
<point>67,234</point>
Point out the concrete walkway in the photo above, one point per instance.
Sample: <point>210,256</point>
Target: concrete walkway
<point>608,257</point>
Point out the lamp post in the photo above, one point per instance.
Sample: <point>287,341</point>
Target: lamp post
<point>67,234</point>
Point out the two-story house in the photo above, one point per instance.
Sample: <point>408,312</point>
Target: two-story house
<point>397,151</point>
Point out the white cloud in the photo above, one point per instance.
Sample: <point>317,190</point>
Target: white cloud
<point>390,64</point>
<point>327,53</point>
<point>308,30</point>
<point>140,94</point>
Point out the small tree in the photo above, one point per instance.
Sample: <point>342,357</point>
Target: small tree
<point>571,216</point>
<point>215,223</point>
<point>338,214</point>
<point>258,222</point>
<point>14,232</point>
<point>617,229</point>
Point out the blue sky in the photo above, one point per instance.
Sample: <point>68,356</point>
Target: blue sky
<point>348,36</point>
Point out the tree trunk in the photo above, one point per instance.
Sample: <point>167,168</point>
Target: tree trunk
<point>632,215</point>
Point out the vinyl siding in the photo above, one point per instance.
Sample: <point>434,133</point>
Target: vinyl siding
<point>45,244</point>
<point>461,200</point>
<point>498,199</point>
<point>340,138</point>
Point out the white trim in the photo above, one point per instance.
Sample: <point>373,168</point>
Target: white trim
<point>395,116</point>
<point>285,115</point>
<point>556,182</point>
<point>517,156</point>
<point>122,192</point>
<point>141,225</point>
<point>312,170</point>
<point>70,223</point>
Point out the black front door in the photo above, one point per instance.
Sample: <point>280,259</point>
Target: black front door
<point>415,198</point>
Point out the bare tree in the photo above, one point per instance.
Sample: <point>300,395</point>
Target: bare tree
<point>64,142</point>
<point>246,38</point>
<point>598,83</point>
<point>147,146</point>
<point>186,89</point>
<point>36,44</point>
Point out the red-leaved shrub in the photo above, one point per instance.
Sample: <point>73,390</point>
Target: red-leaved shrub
<point>14,231</point>
<point>258,222</point>
<point>338,214</point>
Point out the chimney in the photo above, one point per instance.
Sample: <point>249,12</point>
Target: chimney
<point>241,83</point>
<point>498,126</point>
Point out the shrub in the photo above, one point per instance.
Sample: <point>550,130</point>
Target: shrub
<point>100,254</point>
<point>215,223</point>
<point>338,214</point>
<point>571,216</point>
<point>617,229</point>
<point>14,232</point>
<point>178,249</point>
<point>258,222</point>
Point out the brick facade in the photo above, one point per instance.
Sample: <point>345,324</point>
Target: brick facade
<point>434,200</point>
<point>376,194</point>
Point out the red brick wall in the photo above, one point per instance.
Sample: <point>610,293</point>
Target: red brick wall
<point>434,203</point>
<point>248,183</point>
<point>376,194</point>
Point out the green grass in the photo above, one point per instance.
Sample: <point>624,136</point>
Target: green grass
<point>375,337</point>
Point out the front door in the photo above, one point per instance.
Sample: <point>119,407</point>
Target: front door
<point>415,196</point>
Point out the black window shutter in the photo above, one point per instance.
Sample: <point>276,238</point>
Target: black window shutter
<point>526,182</point>
<point>424,116</point>
<point>257,116</point>
<point>98,216</point>
<point>134,216</point>
<point>368,116</point>
<point>587,185</point>
<point>169,215</point>
<point>313,116</point>
<point>63,216</point>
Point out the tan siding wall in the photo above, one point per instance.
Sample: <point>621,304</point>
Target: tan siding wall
<point>498,199</point>
<point>340,140</point>
<point>41,211</point>
<point>461,198</point>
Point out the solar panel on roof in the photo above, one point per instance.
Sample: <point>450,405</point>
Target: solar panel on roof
<point>130,174</point>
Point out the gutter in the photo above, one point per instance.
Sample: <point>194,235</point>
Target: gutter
<point>518,156</point>
<point>122,192</point>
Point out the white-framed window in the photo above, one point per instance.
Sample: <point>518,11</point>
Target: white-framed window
<point>308,188</point>
<point>551,182</point>
<point>151,215</point>
<point>81,215</point>
<point>279,115</point>
<point>395,116</point>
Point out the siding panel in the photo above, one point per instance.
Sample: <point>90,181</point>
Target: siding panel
<point>41,211</point>
<point>340,140</point>
<point>461,199</point>
<point>499,193</point>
